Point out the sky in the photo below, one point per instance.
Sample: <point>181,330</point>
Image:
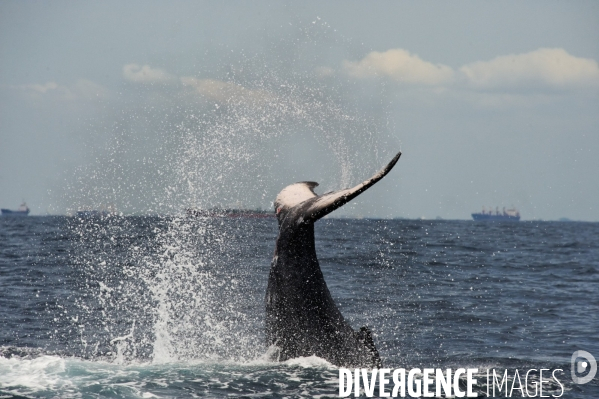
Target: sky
<point>154,107</point>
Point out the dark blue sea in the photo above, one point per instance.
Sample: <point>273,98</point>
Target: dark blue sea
<point>168,307</point>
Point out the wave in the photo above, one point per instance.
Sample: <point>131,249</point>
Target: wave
<point>31,372</point>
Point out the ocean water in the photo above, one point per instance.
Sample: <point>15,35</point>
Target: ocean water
<point>141,307</point>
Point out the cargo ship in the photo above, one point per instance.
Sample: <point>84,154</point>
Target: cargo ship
<point>508,215</point>
<point>102,212</point>
<point>22,211</point>
<point>230,213</point>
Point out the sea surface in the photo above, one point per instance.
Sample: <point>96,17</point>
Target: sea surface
<point>172,307</point>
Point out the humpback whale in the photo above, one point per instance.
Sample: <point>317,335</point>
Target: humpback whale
<point>301,316</point>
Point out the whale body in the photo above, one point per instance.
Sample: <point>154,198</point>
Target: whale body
<point>301,316</point>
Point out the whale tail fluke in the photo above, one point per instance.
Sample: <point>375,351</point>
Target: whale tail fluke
<point>327,203</point>
<point>365,338</point>
<point>313,206</point>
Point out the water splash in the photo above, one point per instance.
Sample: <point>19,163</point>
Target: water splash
<point>171,298</point>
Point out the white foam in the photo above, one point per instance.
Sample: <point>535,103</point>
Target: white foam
<point>44,372</point>
<point>310,361</point>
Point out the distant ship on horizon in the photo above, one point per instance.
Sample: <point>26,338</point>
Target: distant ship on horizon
<point>511,215</point>
<point>102,212</point>
<point>230,213</point>
<point>22,211</point>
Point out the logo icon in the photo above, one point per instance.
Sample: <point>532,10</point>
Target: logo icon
<point>582,362</point>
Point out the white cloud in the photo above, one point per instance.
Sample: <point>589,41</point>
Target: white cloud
<point>82,89</point>
<point>212,89</point>
<point>41,88</point>
<point>218,90</point>
<point>146,74</point>
<point>324,72</point>
<point>551,68</point>
<point>89,90</point>
<point>401,66</point>
<point>47,90</point>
